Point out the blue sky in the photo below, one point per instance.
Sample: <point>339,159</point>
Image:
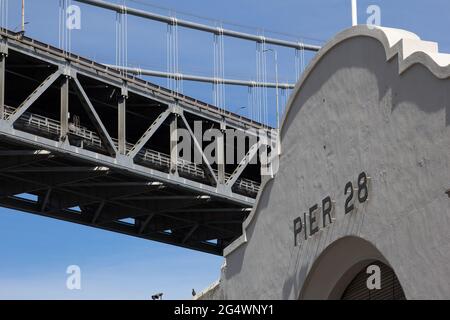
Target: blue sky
<point>35,251</point>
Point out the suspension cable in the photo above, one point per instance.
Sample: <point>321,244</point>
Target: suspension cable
<point>264,80</point>
<point>64,33</point>
<point>2,14</point>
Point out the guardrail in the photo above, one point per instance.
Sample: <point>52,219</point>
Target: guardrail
<point>90,138</point>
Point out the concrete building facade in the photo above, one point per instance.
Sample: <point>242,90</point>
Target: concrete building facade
<point>364,178</point>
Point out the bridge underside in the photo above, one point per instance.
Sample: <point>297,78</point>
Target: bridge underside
<point>66,188</point>
<point>84,143</point>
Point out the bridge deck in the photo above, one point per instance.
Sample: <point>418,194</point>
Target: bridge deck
<point>91,145</point>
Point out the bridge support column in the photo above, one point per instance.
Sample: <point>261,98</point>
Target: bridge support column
<point>174,143</point>
<point>64,117</point>
<point>122,125</point>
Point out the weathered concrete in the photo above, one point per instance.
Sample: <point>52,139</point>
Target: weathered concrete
<point>375,101</point>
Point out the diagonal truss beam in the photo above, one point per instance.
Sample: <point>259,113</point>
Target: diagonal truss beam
<point>107,198</point>
<point>150,216</point>
<point>149,133</point>
<point>98,212</point>
<point>60,181</point>
<point>87,219</point>
<point>243,164</point>
<point>46,200</point>
<point>153,207</point>
<point>34,96</point>
<point>19,162</point>
<point>27,206</point>
<point>116,194</point>
<point>95,119</point>
<point>189,234</point>
<point>210,172</point>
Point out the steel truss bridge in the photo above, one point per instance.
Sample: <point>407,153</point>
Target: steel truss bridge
<point>91,145</point>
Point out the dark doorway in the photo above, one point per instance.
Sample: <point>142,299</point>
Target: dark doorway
<point>390,286</point>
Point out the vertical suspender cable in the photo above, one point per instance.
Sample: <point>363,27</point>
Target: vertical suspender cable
<point>69,33</point>
<point>257,110</point>
<point>254,101</point>
<point>64,32</point>
<point>302,51</point>
<point>64,27</point>
<point>222,76</point>
<point>119,51</point>
<point>125,37</point>
<point>221,105</point>
<point>215,84</point>
<point>175,79</point>
<point>299,61</point>
<point>176,57</point>
<point>249,98</point>
<point>59,24</point>
<point>64,40</point>
<point>219,69</point>
<point>168,50</point>
<point>261,102</point>
<point>265,117</point>
<point>180,74</point>
<point>297,64</point>
<point>171,87</point>
<point>169,55</point>
<point>4,14</point>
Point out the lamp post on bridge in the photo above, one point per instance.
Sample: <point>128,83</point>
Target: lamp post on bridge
<point>354,13</point>
<point>23,16</point>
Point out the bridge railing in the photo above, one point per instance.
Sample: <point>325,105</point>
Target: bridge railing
<point>154,158</point>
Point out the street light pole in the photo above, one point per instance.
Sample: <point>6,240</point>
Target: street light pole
<point>354,13</point>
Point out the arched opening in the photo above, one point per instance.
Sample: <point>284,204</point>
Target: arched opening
<point>339,270</point>
<point>390,288</point>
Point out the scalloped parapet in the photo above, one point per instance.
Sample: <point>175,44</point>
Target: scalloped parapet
<point>373,102</point>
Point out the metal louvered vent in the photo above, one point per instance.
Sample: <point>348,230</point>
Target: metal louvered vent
<point>390,286</point>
